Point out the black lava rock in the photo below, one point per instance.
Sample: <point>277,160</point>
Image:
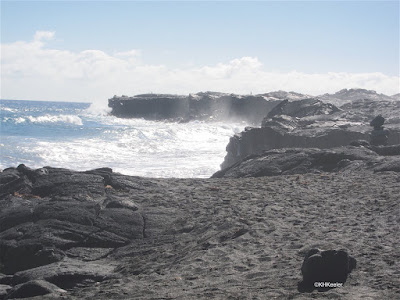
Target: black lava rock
<point>377,122</point>
<point>325,269</point>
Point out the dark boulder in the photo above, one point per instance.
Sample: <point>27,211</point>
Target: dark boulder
<point>377,122</point>
<point>325,269</point>
<point>379,136</point>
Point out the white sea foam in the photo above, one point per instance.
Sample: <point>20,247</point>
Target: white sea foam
<point>71,119</point>
<point>19,120</point>
<point>144,148</point>
<point>2,108</point>
<point>98,110</point>
<point>40,134</point>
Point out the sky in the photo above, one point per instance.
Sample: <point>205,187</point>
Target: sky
<point>88,51</point>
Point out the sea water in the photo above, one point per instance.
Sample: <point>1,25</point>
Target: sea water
<point>80,136</point>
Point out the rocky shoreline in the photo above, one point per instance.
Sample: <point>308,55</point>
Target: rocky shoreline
<point>303,197</point>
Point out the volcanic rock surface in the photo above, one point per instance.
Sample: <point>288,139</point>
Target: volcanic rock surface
<point>209,106</point>
<point>349,95</point>
<point>325,269</point>
<point>103,235</point>
<point>314,123</point>
<point>291,161</point>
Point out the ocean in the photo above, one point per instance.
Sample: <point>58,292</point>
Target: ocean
<point>81,136</point>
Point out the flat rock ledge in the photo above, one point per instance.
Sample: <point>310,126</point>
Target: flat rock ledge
<point>289,161</point>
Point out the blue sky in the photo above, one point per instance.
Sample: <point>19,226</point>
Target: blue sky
<point>224,41</point>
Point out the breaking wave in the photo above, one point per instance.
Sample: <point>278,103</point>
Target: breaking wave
<point>84,137</point>
<point>70,119</point>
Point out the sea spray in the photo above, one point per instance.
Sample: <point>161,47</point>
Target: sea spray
<point>81,136</point>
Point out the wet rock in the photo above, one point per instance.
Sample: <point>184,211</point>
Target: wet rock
<point>327,267</point>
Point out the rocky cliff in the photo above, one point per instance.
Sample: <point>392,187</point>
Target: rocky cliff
<point>200,106</point>
<point>312,123</point>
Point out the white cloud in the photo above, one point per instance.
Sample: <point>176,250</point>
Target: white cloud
<point>131,53</point>
<point>30,70</point>
<point>43,35</point>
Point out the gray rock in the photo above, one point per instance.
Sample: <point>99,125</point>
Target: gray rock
<point>257,140</point>
<point>303,108</point>
<point>287,161</point>
<point>68,273</point>
<point>311,123</point>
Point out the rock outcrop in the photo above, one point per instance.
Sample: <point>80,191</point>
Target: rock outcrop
<point>52,220</point>
<point>350,95</point>
<point>289,161</point>
<point>312,123</point>
<point>303,108</point>
<point>200,106</point>
<point>379,136</point>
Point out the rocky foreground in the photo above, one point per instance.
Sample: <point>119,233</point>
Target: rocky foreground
<point>104,235</point>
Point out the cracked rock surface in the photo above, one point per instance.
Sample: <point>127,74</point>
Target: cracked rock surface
<point>104,235</point>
